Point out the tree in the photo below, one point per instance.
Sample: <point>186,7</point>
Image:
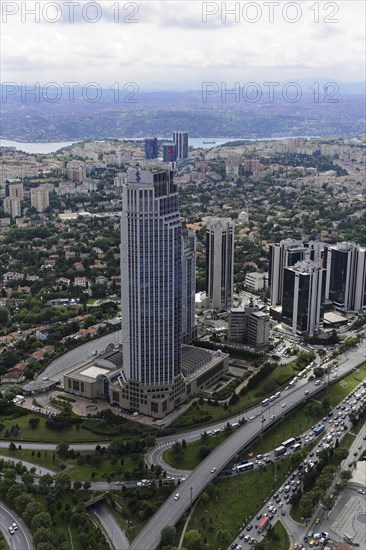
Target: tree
<point>42,519</point>
<point>222,537</point>
<point>77,485</point>
<point>193,540</point>
<point>62,449</point>
<point>177,448</point>
<point>42,535</point>
<point>168,534</point>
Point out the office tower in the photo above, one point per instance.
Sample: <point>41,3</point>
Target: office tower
<point>151,148</point>
<point>12,206</point>
<point>220,262</point>
<point>40,199</point>
<point>283,254</point>
<point>303,297</point>
<point>169,152</point>
<point>14,190</point>
<point>151,275</point>
<point>346,276</point>
<point>188,285</point>
<point>181,142</point>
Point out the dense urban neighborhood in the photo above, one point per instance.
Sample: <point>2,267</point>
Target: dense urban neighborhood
<point>182,345</point>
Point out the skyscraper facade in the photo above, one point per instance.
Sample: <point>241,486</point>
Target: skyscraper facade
<point>151,148</point>
<point>283,254</point>
<point>188,285</point>
<point>346,276</point>
<point>303,297</point>
<point>169,152</point>
<point>151,275</point>
<point>181,142</point>
<point>220,262</point>
<point>40,198</point>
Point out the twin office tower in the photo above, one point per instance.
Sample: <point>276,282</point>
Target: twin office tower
<point>174,151</point>
<point>303,276</point>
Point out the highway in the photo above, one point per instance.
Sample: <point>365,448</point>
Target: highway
<point>21,539</point>
<point>172,510</point>
<point>111,528</point>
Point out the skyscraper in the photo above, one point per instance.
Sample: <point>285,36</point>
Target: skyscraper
<point>303,297</point>
<point>151,275</point>
<point>283,254</point>
<point>188,285</point>
<point>169,152</point>
<point>346,276</point>
<point>181,142</point>
<point>220,262</point>
<point>151,148</point>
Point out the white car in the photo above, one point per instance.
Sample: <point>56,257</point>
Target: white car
<point>176,496</point>
<point>11,530</point>
<point>284,405</point>
<point>14,526</point>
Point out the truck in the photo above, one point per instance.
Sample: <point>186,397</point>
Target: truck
<point>263,524</point>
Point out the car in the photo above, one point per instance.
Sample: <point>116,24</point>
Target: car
<point>14,526</point>
<point>361,491</point>
<point>273,417</point>
<point>283,512</point>
<point>234,545</point>
<point>249,527</point>
<point>259,516</point>
<point>307,392</point>
<point>241,536</point>
<point>355,453</point>
<point>270,516</point>
<point>176,496</point>
<point>325,534</point>
<point>246,538</point>
<point>11,530</point>
<point>213,470</point>
<point>284,405</point>
<point>317,521</point>
<point>350,465</point>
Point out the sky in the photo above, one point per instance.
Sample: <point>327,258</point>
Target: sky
<point>178,45</point>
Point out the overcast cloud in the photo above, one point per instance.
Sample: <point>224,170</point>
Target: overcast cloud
<point>171,48</point>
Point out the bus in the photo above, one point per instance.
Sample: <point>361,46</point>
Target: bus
<point>280,450</point>
<point>319,429</point>
<point>265,402</point>
<point>245,467</point>
<point>289,442</point>
<point>263,524</point>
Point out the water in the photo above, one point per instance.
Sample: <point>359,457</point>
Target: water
<point>44,148</point>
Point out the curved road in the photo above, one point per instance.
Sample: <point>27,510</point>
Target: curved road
<point>21,540</point>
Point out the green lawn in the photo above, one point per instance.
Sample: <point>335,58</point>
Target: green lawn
<point>188,459</point>
<point>3,543</point>
<point>231,503</point>
<point>104,470</point>
<point>281,540</point>
<point>45,459</point>
<point>43,434</point>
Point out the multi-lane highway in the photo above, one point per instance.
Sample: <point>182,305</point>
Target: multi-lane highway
<point>21,538</point>
<point>172,510</point>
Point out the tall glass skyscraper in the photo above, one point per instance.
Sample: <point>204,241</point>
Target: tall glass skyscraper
<point>181,142</point>
<point>220,262</point>
<point>151,276</point>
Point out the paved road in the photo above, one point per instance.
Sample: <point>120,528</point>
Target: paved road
<point>111,528</point>
<point>21,540</point>
<point>78,356</point>
<point>172,510</point>
<point>40,470</point>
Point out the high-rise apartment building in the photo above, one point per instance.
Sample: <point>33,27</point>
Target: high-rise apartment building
<point>346,276</point>
<point>151,275</point>
<point>13,206</point>
<point>151,148</point>
<point>303,297</point>
<point>188,285</point>
<point>40,198</point>
<point>14,190</point>
<point>181,142</point>
<point>220,262</point>
<point>76,171</point>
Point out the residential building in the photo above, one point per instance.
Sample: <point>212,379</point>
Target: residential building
<point>346,276</point>
<point>14,189</point>
<point>303,297</point>
<point>40,199</point>
<point>13,206</point>
<point>256,281</point>
<point>249,325</point>
<point>76,171</point>
<point>220,262</point>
